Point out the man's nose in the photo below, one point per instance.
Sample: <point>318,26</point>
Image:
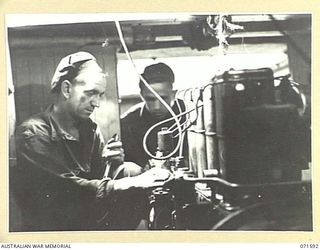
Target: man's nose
<point>95,102</point>
<point>157,105</point>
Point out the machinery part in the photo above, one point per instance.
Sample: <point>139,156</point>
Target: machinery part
<point>210,129</point>
<point>165,140</point>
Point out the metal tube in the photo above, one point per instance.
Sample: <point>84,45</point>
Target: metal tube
<point>200,141</point>
<point>210,128</point>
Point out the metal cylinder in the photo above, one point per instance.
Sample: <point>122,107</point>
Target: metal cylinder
<point>210,128</point>
<point>200,140</point>
<point>165,140</point>
<point>192,153</point>
<point>192,150</point>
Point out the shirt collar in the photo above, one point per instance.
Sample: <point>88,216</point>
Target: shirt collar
<point>57,133</point>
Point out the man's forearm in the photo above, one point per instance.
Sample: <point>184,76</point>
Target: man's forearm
<point>123,183</point>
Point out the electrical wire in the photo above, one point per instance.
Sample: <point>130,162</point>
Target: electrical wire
<point>174,116</point>
<point>202,194</point>
<point>296,88</point>
<point>180,118</point>
<point>185,91</point>
<point>183,113</point>
<point>180,111</point>
<point>181,146</point>
<point>195,119</point>
<point>197,112</point>
<point>167,120</point>
<point>182,125</point>
<point>184,100</point>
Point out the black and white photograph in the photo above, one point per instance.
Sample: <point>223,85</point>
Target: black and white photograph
<point>159,122</point>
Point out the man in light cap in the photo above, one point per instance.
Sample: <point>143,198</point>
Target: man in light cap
<point>60,179</point>
<point>139,118</point>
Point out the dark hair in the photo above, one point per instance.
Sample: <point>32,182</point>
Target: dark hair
<point>141,84</point>
<point>156,73</point>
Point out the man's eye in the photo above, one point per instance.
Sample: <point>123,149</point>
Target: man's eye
<point>150,99</point>
<point>91,93</point>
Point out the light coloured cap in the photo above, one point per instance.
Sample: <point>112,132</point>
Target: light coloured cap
<point>67,64</point>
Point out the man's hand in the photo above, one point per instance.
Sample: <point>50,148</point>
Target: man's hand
<point>113,152</point>
<point>154,177</point>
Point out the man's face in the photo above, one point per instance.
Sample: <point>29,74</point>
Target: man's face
<point>153,105</point>
<point>87,90</point>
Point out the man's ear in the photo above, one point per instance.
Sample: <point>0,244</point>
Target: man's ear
<point>173,97</point>
<point>66,88</point>
<point>174,92</point>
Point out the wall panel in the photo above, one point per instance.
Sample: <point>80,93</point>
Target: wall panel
<point>33,68</point>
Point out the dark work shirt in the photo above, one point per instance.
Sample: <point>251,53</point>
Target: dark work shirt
<point>58,178</point>
<point>134,124</point>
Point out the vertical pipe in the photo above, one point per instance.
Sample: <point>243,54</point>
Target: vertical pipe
<point>210,129</point>
<point>200,139</point>
<point>190,135</point>
<point>192,150</point>
<point>219,91</point>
